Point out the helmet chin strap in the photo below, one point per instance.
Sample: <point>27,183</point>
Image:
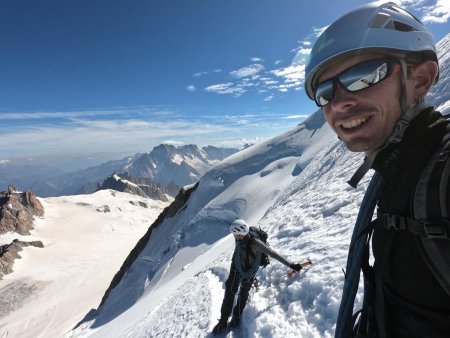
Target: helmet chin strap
<point>409,112</point>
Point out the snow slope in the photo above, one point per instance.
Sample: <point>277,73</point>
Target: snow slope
<point>52,288</point>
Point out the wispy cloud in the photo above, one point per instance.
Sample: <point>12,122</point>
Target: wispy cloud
<point>226,88</point>
<point>191,88</point>
<point>256,76</point>
<point>52,115</point>
<point>428,11</point>
<point>290,117</point>
<point>437,13</point>
<point>268,82</point>
<point>256,59</point>
<point>247,71</point>
<point>120,133</point>
<point>240,143</point>
<point>199,74</point>
<point>291,74</point>
<point>303,50</point>
<point>174,143</point>
<point>118,112</point>
<point>92,136</point>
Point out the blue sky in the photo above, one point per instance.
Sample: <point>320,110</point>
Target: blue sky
<point>82,77</point>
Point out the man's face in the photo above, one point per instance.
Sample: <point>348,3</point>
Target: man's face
<point>239,237</point>
<point>363,120</point>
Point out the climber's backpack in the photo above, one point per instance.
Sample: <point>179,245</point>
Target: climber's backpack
<point>431,223</point>
<point>431,219</point>
<point>261,235</point>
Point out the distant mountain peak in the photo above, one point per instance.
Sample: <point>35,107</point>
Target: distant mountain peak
<point>182,165</point>
<point>168,165</point>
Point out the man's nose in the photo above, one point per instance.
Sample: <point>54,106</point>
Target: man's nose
<point>343,99</point>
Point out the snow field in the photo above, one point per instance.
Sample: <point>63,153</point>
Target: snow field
<point>84,247</point>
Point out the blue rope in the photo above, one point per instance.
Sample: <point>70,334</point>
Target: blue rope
<point>239,257</point>
<point>344,321</point>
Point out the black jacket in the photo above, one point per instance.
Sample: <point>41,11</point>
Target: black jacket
<point>252,246</point>
<point>409,301</point>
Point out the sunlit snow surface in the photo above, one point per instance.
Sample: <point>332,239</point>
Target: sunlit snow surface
<point>52,288</point>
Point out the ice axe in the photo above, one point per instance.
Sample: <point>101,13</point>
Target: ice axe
<point>306,264</point>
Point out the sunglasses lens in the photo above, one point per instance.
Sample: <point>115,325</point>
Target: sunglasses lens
<point>353,79</point>
<point>363,75</point>
<point>324,93</point>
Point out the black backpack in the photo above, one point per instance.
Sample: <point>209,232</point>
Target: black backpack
<point>431,221</point>
<point>262,236</point>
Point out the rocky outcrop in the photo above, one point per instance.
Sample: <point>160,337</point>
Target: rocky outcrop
<point>140,186</point>
<point>172,189</point>
<point>17,211</point>
<point>9,252</point>
<point>176,206</point>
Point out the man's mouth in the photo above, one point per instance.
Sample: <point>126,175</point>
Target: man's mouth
<point>354,123</point>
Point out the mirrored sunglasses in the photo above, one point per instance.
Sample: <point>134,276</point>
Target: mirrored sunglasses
<point>355,78</point>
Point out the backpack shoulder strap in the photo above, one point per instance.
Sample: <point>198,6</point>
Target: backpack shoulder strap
<point>435,177</point>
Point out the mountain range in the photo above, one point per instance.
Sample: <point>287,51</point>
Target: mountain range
<point>166,165</point>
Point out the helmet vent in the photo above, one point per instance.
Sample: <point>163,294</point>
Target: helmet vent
<point>383,20</point>
<point>400,26</point>
<point>403,12</point>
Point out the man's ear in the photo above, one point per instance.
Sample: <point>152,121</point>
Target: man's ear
<point>424,77</point>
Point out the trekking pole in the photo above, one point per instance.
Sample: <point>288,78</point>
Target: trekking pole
<point>305,265</point>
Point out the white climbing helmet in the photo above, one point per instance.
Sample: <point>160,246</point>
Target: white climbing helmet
<point>239,227</point>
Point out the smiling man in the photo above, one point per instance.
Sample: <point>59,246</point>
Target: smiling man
<point>370,72</point>
<point>362,123</point>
